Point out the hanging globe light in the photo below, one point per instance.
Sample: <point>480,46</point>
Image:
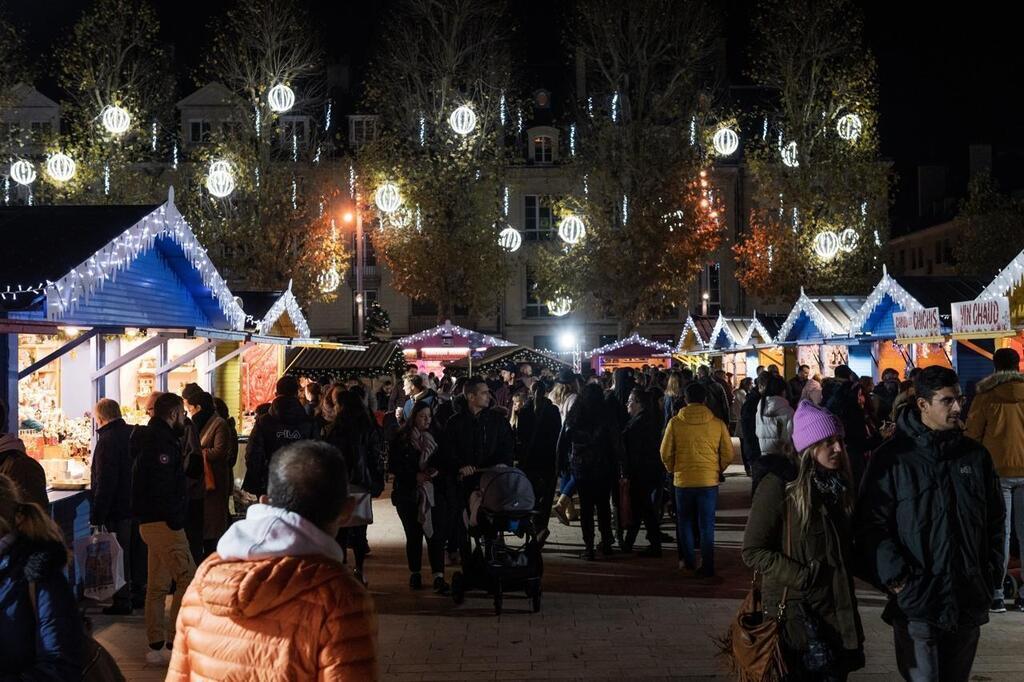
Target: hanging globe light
<point>571,229</point>
<point>115,119</point>
<point>826,245</point>
<point>848,239</point>
<point>789,156</point>
<point>281,98</point>
<point>220,180</point>
<point>388,198</point>
<point>23,172</point>
<point>726,141</point>
<point>329,280</point>
<point>510,239</point>
<point>560,307</point>
<point>849,127</point>
<point>60,167</point>
<point>462,120</point>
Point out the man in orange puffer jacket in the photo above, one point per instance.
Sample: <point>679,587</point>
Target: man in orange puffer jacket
<point>275,602</point>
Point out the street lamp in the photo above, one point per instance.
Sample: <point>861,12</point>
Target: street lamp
<point>569,340</point>
<point>705,297</point>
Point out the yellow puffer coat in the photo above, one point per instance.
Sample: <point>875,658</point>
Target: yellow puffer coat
<point>696,447</point>
<point>996,420</point>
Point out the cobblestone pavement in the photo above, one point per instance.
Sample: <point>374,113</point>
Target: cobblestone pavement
<point>621,617</point>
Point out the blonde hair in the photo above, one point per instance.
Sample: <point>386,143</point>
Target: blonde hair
<point>25,518</point>
<point>801,490</point>
<point>108,410</point>
<point>561,392</point>
<point>674,387</point>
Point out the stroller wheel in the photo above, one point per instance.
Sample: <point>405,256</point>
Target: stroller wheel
<point>458,587</point>
<point>498,598</point>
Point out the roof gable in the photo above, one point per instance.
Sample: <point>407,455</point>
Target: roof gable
<point>211,95</point>
<point>632,346</point>
<point>819,318</point>
<point>690,338</point>
<point>25,96</point>
<point>451,331</point>
<point>875,316</point>
<point>286,305</point>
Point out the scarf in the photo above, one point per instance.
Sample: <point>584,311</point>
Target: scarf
<point>425,445</point>
<point>831,485</point>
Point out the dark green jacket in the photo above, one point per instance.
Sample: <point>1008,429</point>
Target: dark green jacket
<point>815,571</point>
<point>931,515</point>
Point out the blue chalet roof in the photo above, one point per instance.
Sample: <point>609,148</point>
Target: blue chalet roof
<point>264,308</point>
<point>137,266</point>
<point>819,318</point>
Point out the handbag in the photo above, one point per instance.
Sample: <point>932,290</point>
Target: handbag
<point>625,504</point>
<point>753,643</point>
<point>362,509</point>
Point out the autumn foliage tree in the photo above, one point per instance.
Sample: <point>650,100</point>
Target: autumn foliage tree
<point>992,228</point>
<point>441,245</point>
<point>811,60</point>
<point>650,224</point>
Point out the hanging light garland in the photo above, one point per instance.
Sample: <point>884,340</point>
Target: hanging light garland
<point>463,120</point>
<point>510,239</point>
<point>281,98</point>
<point>571,230</point>
<point>115,119</point>
<point>726,141</point>
<point>388,198</point>
<point>220,180</point>
<point>23,172</point>
<point>849,127</point>
<point>60,167</point>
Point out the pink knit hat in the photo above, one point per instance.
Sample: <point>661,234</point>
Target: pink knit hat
<point>813,424</point>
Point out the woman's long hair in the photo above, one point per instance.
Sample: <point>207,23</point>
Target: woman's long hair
<point>801,490</point>
<point>405,431</point>
<point>25,518</point>
<point>589,409</point>
<point>561,392</point>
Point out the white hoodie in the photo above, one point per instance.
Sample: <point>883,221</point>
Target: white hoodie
<point>270,531</point>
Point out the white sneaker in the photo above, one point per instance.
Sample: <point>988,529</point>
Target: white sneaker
<point>158,657</point>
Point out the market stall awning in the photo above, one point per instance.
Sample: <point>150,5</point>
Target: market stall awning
<point>819,318</point>
<point>450,335</point>
<point>330,363</point>
<point>274,312</point>
<point>138,266</point>
<point>494,358</point>
<point>634,346</point>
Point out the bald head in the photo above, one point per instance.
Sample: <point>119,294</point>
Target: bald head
<point>309,478</point>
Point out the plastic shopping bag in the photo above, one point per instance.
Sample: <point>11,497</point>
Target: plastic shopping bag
<point>100,565</point>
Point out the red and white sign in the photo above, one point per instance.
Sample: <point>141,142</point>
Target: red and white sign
<point>982,317</point>
<point>917,324</point>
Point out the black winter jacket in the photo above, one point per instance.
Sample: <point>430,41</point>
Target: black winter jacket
<point>482,441</point>
<point>404,464</point>
<point>536,432</point>
<point>159,488</point>
<point>931,516</point>
<point>361,443</point>
<point>591,450</point>
<point>642,441</point>
<point>287,422</point>
<point>748,424</point>
<point>112,475</point>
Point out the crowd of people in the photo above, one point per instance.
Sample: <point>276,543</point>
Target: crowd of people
<point>848,479</point>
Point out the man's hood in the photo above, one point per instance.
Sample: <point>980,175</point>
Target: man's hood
<point>10,441</point>
<point>1007,386</point>
<point>270,531</point>
<point>289,410</point>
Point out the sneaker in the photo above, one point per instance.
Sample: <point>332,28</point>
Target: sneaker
<point>440,586</point>
<point>158,657</point>
<point>1018,603</point>
<point>998,606</point>
<point>416,581</point>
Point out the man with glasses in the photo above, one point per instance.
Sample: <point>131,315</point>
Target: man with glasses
<point>930,527</point>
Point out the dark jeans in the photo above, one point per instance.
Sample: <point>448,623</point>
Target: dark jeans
<point>568,486</point>
<point>354,538</point>
<point>699,504</point>
<point>414,539</point>
<point>644,512</point>
<point>926,654</point>
<point>123,531</point>
<point>595,494</point>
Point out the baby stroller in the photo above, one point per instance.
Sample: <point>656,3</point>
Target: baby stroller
<point>501,510</point>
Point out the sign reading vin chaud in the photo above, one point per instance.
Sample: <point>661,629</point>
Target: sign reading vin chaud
<point>982,316</point>
<point>917,324</point>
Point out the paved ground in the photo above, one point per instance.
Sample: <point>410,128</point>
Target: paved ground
<point>624,617</point>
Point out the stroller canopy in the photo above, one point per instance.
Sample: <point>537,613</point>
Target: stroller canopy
<point>506,490</point>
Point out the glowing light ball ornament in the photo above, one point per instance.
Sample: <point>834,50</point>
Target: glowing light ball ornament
<point>789,155</point>
<point>23,172</point>
<point>115,119</point>
<point>848,239</point>
<point>726,141</point>
<point>388,198</point>
<point>281,98</point>
<point>220,181</point>
<point>510,239</point>
<point>849,127</point>
<point>61,167</point>
<point>571,229</point>
<point>826,245</point>
<point>463,120</point>
<point>329,280</point>
<point>560,307</point>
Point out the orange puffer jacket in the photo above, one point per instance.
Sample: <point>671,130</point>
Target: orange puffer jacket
<point>276,619</point>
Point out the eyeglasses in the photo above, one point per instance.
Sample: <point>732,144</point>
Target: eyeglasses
<point>949,402</point>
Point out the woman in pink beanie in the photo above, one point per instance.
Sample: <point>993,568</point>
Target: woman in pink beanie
<point>798,538</point>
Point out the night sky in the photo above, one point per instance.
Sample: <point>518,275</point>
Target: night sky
<point>948,78</point>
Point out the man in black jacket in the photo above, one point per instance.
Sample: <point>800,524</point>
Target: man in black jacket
<point>160,502</point>
<point>286,423</point>
<point>930,527</point>
<point>111,484</point>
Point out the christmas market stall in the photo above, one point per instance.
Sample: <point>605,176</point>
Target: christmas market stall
<point>499,356</point>
<point>905,322</point>
<point>430,350</point>
<point>339,363</point>
<point>816,333</point>
<point>101,301</point>
<point>633,351</point>
<point>695,341</point>
<point>762,351</point>
<point>730,339</point>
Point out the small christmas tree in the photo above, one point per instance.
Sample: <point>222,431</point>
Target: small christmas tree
<point>378,323</point>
